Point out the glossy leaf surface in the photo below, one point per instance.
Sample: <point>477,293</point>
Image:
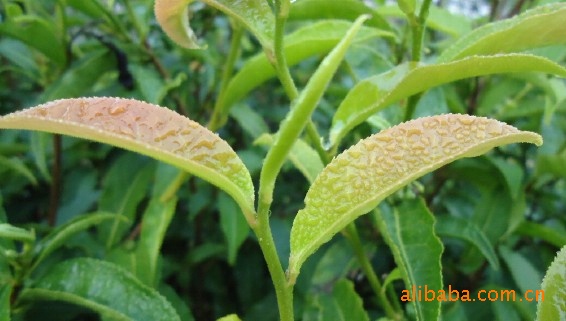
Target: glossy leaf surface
<point>256,15</point>
<point>409,231</point>
<point>359,178</point>
<point>147,129</point>
<point>103,287</point>
<point>541,26</point>
<point>553,307</point>
<point>314,39</point>
<point>380,91</point>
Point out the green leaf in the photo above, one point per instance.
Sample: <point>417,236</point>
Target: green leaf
<point>336,9</point>
<point>548,234</point>
<point>525,275</point>
<point>103,287</point>
<point>553,307</point>
<point>255,15</point>
<point>343,305</point>
<point>538,27</point>
<point>19,167</point>
<point>304,157</point>
<point>155,221</point>
<point>452,226</point>
<point>5,295</point>
<point>123,199</point>
<point>231,317</point>
<point>11,232</point>
<point>249,120</point>
<point>439,19</point>
<point>37,33</point>
<point>512,174</point>
<point>61,234</point>
<point>314,39</point>
<point>377,92</point>
<point>409,231</point>
<point>233,226</point>
<point>38,143</point>
<point>407,6</point>
<point>301,111</point>
<point>80,78</point>
<point>147,129</point>
<point>359,178</point>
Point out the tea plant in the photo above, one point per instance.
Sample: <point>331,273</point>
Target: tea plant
<point>119,269</point>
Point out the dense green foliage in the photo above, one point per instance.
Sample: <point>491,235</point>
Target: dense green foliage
<point>93,232</point>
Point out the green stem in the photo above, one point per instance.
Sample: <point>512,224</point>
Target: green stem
<point>417,28</point>
<point>135,21</point>
<point>353,237</point>
<point>280,60</point>
<point>283,289</point>
<point>218,118</point>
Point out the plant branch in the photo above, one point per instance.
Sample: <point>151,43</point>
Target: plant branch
<point>218,118</point>
<point>418,25</point>
<point>353,237</point>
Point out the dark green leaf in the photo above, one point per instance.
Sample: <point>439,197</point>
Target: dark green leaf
<point>343,305</point>
<point>233,226</point>
<point>409,231</point>
<point>548,234</point>
<point>103,287</point>
<point>37,33</point>
<point>525,275</point>
<point>155,221</point>
<point>80,78</point>
<point>123,199</point>
<point>465,229</point>
<point>61,234</point>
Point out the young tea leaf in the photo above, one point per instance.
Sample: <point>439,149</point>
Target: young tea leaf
<point>313,39</point>
<point>541,26</point>
<point>256,15</point>
<point>553,306</point>
<point>377,92</point>
<point>359,178</point>
<point>147,129</point>
<point>103,287</point>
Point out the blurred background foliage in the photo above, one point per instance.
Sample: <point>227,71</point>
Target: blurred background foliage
<point>514,198</point>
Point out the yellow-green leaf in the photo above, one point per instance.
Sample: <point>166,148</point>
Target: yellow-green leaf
<point>541,26</point>
<point>147,129</point>
<point>552,306</point>
<point>256,15</point>
<point>375,93</point>
<point>359,178</point>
